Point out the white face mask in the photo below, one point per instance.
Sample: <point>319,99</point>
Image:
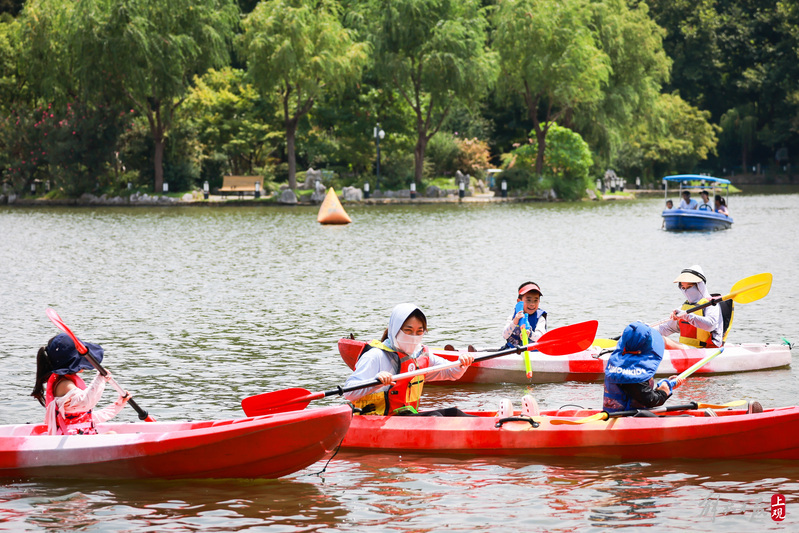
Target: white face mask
<point>408,344</point>
<point>692,294</point>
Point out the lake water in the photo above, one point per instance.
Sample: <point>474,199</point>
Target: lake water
<point>198,307</point>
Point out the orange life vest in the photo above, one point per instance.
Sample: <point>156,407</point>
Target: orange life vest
<point>693,336</point>
<point>401,395</point>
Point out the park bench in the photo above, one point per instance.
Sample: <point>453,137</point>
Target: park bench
<point>241,185</point>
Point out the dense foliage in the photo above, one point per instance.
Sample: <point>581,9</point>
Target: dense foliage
<point>99,93</point>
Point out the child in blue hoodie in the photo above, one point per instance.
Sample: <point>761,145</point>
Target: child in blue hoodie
<point>629,375</point>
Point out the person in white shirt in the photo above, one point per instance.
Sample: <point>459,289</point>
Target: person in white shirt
<point>701,329</point>
<point>687,202</point>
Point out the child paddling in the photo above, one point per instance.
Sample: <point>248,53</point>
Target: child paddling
<point>69,402</point>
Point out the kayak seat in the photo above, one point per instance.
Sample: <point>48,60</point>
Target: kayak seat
<point>727,312</point>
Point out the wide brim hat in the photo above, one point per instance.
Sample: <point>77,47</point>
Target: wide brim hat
<point>65,358</point>
<point>637,355</point>
<point>693,274</point>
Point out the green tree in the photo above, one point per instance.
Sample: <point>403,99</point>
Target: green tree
<point>231,118</point>
<point>677,137</point>
<point>732,55</point>
<point>639,66</point>
<point>739,127</point>
<point>566,165</point>
<point>9,57</point>
<point>299,50</point>
<point>146,52</point>
<point>434,54</point>
<point>549,56</point>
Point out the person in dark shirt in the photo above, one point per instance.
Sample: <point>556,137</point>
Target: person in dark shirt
<point>629,375</point>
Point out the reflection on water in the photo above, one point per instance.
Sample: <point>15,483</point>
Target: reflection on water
<point>200,307</point>
<point>221,505</point>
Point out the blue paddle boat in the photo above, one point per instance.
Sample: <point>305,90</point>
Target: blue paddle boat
<point>703,218</point>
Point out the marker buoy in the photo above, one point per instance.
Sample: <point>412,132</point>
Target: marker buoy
<point>331,210</point>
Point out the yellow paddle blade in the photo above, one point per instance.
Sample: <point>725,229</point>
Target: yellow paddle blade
<point>751,288</point>
<point>604,343</point>
<point>736,403</point>
<point>598,417</point>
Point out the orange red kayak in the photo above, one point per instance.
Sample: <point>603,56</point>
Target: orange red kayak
<point>260,447</point>
<point>733,434</point>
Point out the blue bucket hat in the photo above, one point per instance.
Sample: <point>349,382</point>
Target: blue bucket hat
<point>65,358</point>
<point>637,355</point>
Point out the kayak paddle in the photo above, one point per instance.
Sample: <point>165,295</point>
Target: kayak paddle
<point>523,324</point>
<point>691,369</point>
<point>53,316</point>
<point>745,291</point>
<point>604,415</point>
<point>559,341</point>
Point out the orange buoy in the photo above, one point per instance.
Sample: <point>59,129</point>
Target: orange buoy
<point>331,210</point>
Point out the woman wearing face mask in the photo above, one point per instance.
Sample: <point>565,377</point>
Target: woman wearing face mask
<point>701,329</point>
<point>400,350</point>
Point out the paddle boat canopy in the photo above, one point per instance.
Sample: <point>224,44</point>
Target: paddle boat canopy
<point>696,219</point>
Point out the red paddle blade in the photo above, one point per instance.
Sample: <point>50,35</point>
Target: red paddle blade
<point>568,339</point>
<point>280,401</point>
<point>55,319</point>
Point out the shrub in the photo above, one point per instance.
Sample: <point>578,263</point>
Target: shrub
<point>73,147</point>
<point>473,157</point>
<point>567,161</point>
<point>442,153</point>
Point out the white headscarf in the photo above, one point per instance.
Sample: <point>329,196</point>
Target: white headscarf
<point>399,315</point>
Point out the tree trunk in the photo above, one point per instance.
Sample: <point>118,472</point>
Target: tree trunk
<point>418,159</point>
<point>541,138</point>
<point>540,133</point>
<point>291,133</point>
<point>744,158</point>
<point>158,160</point>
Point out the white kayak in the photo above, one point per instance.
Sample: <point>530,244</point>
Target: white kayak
<point>589,365</point>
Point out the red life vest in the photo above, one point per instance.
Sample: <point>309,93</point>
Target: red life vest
<point>405,393</point>
<point>70,423</point>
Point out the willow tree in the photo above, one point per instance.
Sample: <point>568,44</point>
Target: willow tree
<point>548,55</point>
<point>146,52</point>
<point>433,53</point>
<point>633,43</point>
<point>300,50</point>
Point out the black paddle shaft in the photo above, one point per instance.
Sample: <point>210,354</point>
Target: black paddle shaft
<point>341,390</point>
<point>142,413</point>
<point>713,301</point>
<point>633,412</point>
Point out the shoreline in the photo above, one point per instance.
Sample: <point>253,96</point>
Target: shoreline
<point>220,201</point>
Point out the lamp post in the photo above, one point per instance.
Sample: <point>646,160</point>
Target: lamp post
<point>379,134</point>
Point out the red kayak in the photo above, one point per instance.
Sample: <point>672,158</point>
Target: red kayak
<point>688,434</point>
<point>261,447</point>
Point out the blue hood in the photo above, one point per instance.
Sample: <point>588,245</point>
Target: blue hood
<point>637,355</point>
